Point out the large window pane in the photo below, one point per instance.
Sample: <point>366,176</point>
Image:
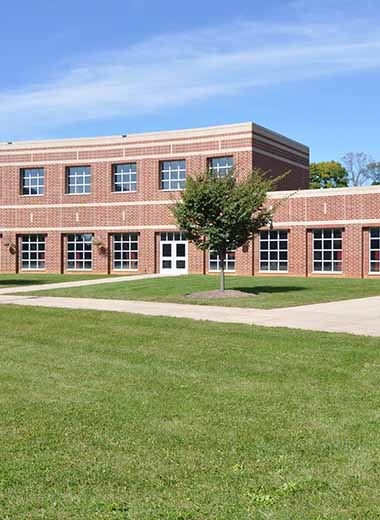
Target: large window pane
<point>274,251</point>
<point>125,251</point>
<point>32,181</point>
<point>215,263</point>
<point>79,252</point>
<point>172,175</point>
<point>33,251</point>
<point>220,166</point>
<point>327,250</point>
<point>78,179</point>
<point>374,250</point>
<point>124,177</point>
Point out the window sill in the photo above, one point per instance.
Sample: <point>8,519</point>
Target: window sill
<point>123,192</point>
<point>273,272</point>
<point>327,272</point>
<point>39,195</point>
<point>179,189</point>
<point>33,269</point>
<point>218,271</point>
<point>78,270</point>
<point>124,270</point>
<point>77,194</point>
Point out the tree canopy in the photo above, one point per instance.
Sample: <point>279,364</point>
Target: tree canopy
<point>374,172</point>
<point>328,174</point>
<point>356,164</point>
<point>222,213</point>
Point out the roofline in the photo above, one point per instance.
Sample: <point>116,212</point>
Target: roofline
<point>324,192</point>
<point>124,138</point>
<point>245,127</point>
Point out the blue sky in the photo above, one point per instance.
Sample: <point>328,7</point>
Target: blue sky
<point>307,68</point>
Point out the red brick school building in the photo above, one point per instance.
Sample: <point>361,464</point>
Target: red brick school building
<point>102,205</point>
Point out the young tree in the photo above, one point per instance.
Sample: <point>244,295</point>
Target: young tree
<point>374,172</point>
<point>223,213</point>
<point>356,165</point>
<point>328,174</point>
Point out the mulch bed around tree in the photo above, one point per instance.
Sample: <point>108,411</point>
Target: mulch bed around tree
<point>210,295</point>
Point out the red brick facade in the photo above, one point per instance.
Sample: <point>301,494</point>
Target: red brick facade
<point>146,211</point>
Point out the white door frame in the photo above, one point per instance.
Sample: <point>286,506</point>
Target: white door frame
<point>173,260</point>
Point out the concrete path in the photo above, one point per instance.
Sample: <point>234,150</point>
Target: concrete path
<point>360,316</point>
<point>77,283</point>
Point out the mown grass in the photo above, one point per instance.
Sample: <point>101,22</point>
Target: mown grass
<point>110,416</point>
<point>266,293</point>
<point>17,280</point>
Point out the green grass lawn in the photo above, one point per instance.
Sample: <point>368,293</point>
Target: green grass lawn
<point>266,293</point>
<point>17,280</point>
<point>110,416</point>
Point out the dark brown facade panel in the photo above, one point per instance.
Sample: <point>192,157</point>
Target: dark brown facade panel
<point>278,142</point>
<point>281,153</point>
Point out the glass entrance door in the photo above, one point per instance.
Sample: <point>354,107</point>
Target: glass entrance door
<point>173,253</point>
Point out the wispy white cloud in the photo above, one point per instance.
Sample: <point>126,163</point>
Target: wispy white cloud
<point>177,69</point>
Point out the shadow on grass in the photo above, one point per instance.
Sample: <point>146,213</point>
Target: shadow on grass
<point>269,289</point>
<point>14,283</point>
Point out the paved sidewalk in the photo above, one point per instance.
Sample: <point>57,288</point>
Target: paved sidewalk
<point>360,316</point>
<point>77,283</point>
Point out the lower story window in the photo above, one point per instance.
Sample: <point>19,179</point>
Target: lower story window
<point>33,251</point>
<point>374,250</point>
<point>79,251</point>
<point>274,251</point>
<point>214,261</point>
<point>125,251</point>
<point>327,250</point>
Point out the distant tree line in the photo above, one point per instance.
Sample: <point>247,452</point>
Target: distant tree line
<point>355,169</point>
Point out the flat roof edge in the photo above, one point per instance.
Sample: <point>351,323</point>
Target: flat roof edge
<point>127,137</point>
<point>325,192</point>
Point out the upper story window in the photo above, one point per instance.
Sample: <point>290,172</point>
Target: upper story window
<point>374,250</point>
<point>78,179</point>
<point>274,250</point>
<point>327,250</point>
<point>32,181</point>
<point>220,166</point>
<point>172,175</point>
<point>124,177</point>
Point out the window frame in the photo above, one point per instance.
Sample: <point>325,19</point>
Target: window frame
<point>323,250</point>
<point>228,260</point>
<point>370,250</point>
<point>40,239</point>
<point>75,250</point>
<point>228,169</point>
<point>67,184</point>
<point>170,180</point>
<point>278,250</point>
<point>114,173</point>
<point>22,186</point>
<point>122,251</point>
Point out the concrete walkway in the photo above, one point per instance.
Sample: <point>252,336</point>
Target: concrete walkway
<point>360,316</point>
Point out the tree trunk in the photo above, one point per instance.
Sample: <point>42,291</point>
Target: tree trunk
<point>222,257</point>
